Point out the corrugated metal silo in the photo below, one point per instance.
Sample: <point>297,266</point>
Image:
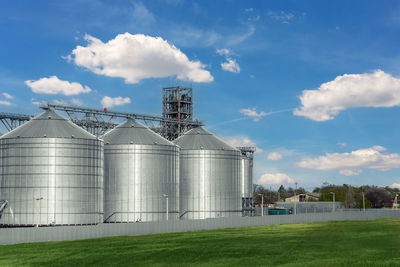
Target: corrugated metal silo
<point>141,169</point>
<point>209,176</point>
<point>246,183</point>
<point>52,173</point>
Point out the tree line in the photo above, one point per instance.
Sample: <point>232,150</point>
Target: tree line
<point>350,196</point>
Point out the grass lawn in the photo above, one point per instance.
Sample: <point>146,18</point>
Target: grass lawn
<point>346,243</point>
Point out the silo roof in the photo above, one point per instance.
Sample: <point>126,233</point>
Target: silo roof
<point>132,132</point>
<point>50,125</point>
<point>199,138</point>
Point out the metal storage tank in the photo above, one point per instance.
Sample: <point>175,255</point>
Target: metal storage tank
<point>141,169</point>
<point>51,173</point>
<point>209,176</point>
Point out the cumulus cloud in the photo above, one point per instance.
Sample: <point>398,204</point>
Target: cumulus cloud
<point>5,103</point>
<point>252,112</point>
<point>274,156</point>
<point>242,142</point>
<point>109,102</point>
<point>53,86</point>
<point>136,57</point>
<point>395,185</point>
<point>275,179</point>
<point>352,163</point>
<point>377,89</point>
<point>7,95</point>
<point>230,65</point>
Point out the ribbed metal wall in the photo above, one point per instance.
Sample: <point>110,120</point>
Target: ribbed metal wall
<point>140,168</point>
<point>209,176</point>
<point>66,174</point>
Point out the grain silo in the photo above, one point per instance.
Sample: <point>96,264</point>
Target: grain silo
<point>209,176</point>
<point>52,173</point>
<point>141,172</point>
<point>246,180</point>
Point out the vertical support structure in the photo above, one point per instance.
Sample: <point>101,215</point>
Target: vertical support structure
<point>247,180</point>
<point>295,204</point>
<point>177,105</point>
<point>363,195</point>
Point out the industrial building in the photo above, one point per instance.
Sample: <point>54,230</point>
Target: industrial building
<point>90,169</point>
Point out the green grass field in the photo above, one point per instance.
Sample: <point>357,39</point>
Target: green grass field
<point>347,243</point>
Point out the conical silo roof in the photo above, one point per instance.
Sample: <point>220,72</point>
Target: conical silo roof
<point>199,138</point>
<point>50,125</point>
<point>132,132</point>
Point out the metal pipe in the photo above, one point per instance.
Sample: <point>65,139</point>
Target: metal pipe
<point>363,200</point>
<point>166,198</point>
<point>37,210</point>
<point>262,204</point>
<point>333,203</point>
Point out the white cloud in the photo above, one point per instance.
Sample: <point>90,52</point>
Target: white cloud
<point>255,18</point>
<point>5,103</point>
<point>44,103</point>
<point>281,16</point>
<point>53,86</point>
<point>242,142</point>
<point>347,172</point>
<point>252,112</point>
<point>395,185</point>
<point>137,57</point>
<point>141,14</point>
<point>352,163</point>
<point>8,96</point>
<point>190,36</point>
<point>38,103</point>
<point>377,89</point>
<point>109,102</point>
<point>341,144</point>
<point>274,156</point>
<point>224,52</point>
<point>275,179</point>
<point>77,101</point>
<point>231,65</point>
<point>249,9</point>
<point>59,102</point>
<point>238,38</point>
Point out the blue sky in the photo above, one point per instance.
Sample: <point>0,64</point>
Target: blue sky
<point>249,63</point>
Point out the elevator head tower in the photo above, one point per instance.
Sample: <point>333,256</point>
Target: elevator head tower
<point>177,105</point>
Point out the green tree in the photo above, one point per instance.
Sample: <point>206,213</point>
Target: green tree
<point>282,192</point>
